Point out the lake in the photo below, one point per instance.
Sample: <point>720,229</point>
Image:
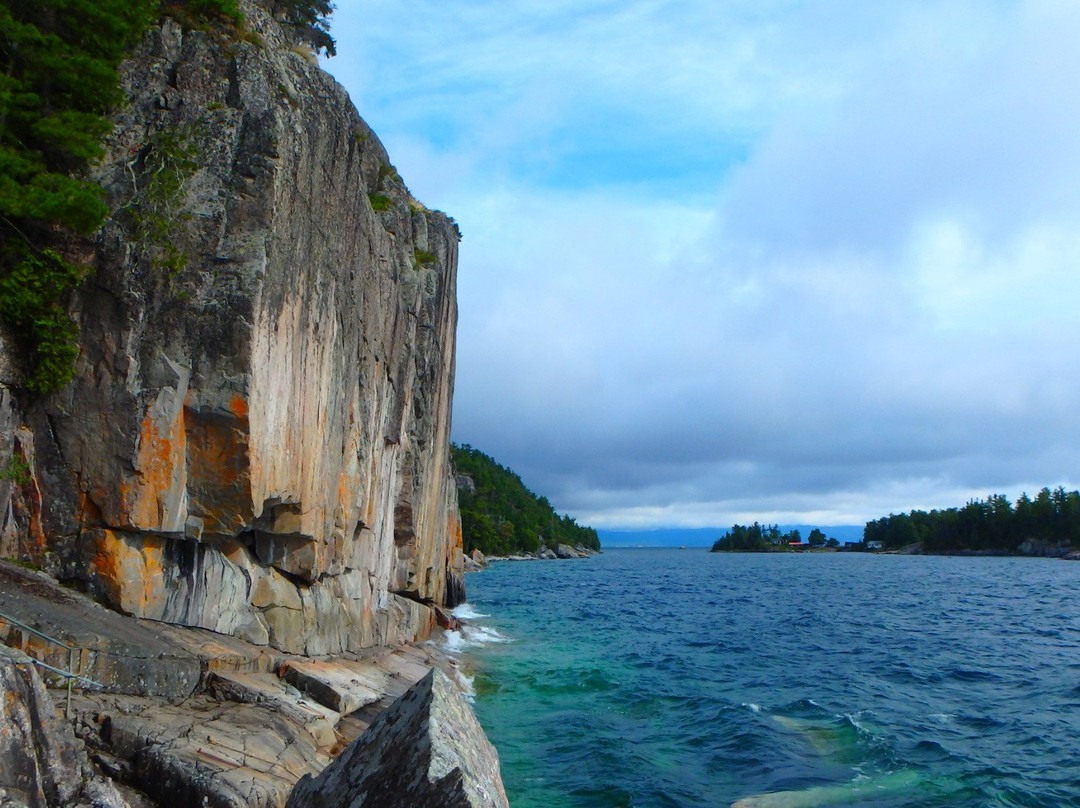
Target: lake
<point>662,677</point>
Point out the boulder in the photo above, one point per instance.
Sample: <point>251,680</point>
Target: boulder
<point>426,751</point>
<point>566,551</point>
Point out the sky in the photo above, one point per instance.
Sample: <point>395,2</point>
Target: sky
<point>794,261</point>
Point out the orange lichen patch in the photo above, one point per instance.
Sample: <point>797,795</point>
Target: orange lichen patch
<point>128,569</point>
<point>89,512</point>
<point>219,471</point>
<point>454,529</point>
<point>160,455</point>
<point>238,406</point>
<point>26,502</point>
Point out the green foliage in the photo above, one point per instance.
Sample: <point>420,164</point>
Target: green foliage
<point>993,525</point>
<point>17,470</point>
<point>503,516</point>
<point>424,258</point>
<point>387,172</point>
<point>310,19</point>
<point>29,301</point>
<point>379,202</point>
<point>157,208</point>
<point>757,538</point>
<point>58,80</point>
<point>200,14</point>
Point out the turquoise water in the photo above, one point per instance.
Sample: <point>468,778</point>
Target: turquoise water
<point>682,678</point>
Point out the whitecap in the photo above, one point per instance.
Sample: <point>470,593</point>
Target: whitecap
<point>465,611</point>
<point>483,635</point>
<point>457,641</point>
<point>754,708</point>
<point>467,685</point>
<point>454,642</point>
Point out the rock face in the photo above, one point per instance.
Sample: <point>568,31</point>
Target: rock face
<point>257,438</point>
<point>426,751</point>
<point>41,763</point>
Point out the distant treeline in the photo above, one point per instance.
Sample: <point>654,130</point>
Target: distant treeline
<point>757,538</point>
<point>991,525</point>
<point>500,516</point>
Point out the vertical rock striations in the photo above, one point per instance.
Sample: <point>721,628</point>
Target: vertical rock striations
<point>257,438</point>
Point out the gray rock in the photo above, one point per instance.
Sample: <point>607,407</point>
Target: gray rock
<point>1044,548</point>
<point>122,655</point>
<point>256,443</point>
<point>566,551</point>
<point>426,751</point>
<point>41,762</point>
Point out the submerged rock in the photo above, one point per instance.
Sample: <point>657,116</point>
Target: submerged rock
<point>426,751</point>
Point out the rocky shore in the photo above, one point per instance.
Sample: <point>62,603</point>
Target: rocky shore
<point>246,488</point>
<point>477,560</point>
<point>167,715</point>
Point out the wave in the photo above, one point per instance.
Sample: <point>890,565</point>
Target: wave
<point>456,641</point>
<point>465,611</point>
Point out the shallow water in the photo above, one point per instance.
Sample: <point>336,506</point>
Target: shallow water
<point>682,678</point>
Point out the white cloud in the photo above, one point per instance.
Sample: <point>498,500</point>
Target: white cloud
<point>874,308</point>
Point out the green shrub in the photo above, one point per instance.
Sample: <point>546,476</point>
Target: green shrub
<point>157,207</point>
<point>310,21</point>
<point>58,81</point>
<point>17,470</point>
<point>30,294</point>
<point>379,202</point>
<point>388,172</point>
<point>424,258</point>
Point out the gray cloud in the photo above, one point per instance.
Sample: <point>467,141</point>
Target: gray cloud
<point>875,308</point>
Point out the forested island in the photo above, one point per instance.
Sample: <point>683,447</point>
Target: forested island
<point>758,538</point>
<point>500,516</point>
<point>1049,524</point>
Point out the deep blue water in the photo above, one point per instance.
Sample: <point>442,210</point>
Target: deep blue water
<point>683,678</point>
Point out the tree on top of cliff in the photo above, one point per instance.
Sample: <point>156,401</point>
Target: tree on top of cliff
<point>311,21</point>
<point>499,515</point>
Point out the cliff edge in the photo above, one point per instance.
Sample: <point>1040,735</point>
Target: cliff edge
<point>256,441</point>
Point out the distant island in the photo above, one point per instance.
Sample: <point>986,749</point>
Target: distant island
<point>500,516</point>
<point>758,538</point>
<point>1048,525</point>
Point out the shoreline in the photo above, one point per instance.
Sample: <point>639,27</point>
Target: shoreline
<point>166,710</point>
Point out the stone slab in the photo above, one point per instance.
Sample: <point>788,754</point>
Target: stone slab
<point>124,655</point>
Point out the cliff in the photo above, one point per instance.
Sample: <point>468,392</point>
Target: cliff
<point>256,441</point>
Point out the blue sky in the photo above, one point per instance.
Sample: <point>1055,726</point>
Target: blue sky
<point>799,262</point>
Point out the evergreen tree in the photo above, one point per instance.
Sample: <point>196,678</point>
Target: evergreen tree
<point>58,83</point>
<point>58,80</point>
<point>502,516</point>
